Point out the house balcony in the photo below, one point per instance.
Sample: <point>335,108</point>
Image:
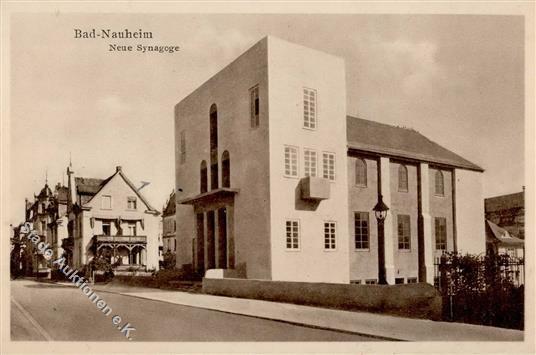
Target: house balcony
<point>314,188</point>
<point>125,252</point>
<point>120,239</point>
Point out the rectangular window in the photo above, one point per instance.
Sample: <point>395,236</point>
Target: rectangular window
<point>293,234</point>
<point>291,161</point>
<point>371,282</point>
<point>106,202</point>
<point>329,235</point>
<point>309,162</point>
<point>399,280</point>
<point>183,147</point>
<point>328,165</point>
<point>355,282</point>
<point>131,203</point>
<point>254,106</point>
<point>440,233</point>
<point>174,244</point>
<point>361,230</point>
<point>404,235</point>
<point>106,228</point>
<point>412,280</point>
<point>309,108</point>
<point>132,229</point>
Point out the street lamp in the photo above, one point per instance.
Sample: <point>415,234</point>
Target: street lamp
<point>380,210</point>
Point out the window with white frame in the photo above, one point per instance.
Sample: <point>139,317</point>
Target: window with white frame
<point>404,234</point>
<point>293,234</point>
<point>106,202</point>
<point>309,162</point>
<point>254,106</point>
<point>361,230</point>
<point>309,108</point>
<point>131,203</point>
<point>132,228</point>
<point>328,165</point>
<point>440,233</point>
<point>291,161</point>
<point>183,147</point>
<point>329,235</point>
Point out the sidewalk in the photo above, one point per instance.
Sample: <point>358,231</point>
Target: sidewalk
<point>377,325</point>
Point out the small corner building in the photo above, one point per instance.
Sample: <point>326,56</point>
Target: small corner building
<point>275,182</point>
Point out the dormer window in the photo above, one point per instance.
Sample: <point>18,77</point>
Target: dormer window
<point>131,203</point>
<point>106,202</point>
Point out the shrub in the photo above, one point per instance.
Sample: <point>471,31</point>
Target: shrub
<point>481,290</point>
<point>169,260</point>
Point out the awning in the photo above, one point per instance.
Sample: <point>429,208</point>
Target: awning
<point>210,196</point>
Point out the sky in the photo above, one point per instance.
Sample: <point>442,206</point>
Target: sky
<point>457,79</point>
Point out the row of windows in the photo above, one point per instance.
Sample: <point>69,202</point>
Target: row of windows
<point>106,202</point>
<point>293,235</point>
<point>362,231</point>
<point>361,177</point>
<point>310,162</point>
<point>398,280</point>
<point>225,173</point>
<point>107,230</point>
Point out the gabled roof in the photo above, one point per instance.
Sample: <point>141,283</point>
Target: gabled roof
<point>88,186</point>
<point>380,138</point>
<point>91,186</point>
<point>504,202</point>
<point>169,208</point>
<point>500,235</point>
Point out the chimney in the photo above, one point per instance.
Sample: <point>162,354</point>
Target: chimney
<point>118,168</point>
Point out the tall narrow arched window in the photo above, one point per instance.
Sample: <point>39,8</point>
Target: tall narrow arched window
<point>213,147</point>
<point>402,178</point>
<point>439,183</point>
<point>360,172</point>
<point>225,170</point>
<point>203,177</point>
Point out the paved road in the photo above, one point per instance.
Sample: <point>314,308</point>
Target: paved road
<point>42,311</point>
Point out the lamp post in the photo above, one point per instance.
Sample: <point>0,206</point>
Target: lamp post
<point>380,210</point>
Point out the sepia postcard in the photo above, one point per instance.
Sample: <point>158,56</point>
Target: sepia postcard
<point>271,177</point>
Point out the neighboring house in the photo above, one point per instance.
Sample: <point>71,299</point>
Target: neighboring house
<point>500,241</point>
<point>508,212</point>
<point>48,217</point>
<point>274,181</point>
<point>169,225</point>
<point>110,217</point>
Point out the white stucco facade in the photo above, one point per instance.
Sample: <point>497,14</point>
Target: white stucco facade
<point>259,217</point>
